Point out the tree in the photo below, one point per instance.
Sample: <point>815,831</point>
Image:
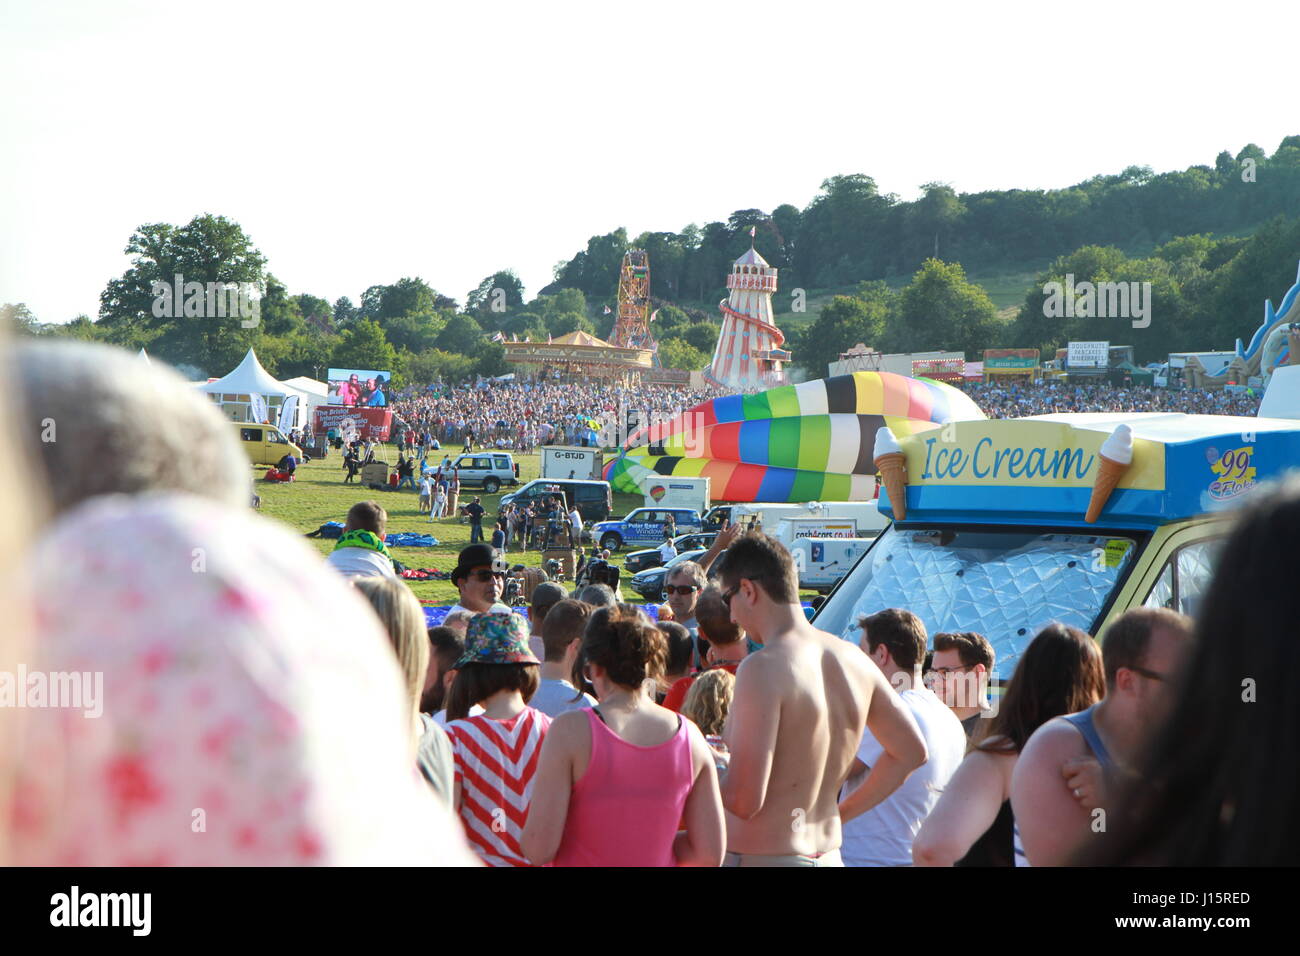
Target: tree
<point>404,297</point>
<point>438,366</point>
<point>565,322</point>
<point>937,212</point>
<point>939,310</point>
<point>364,346</point>
<point>82,328</point>
<point>486,299</point>
<point>678,354</point>
<point>702,335</point>
<point>415,331</point>
<point>344,311</point>
<point>18,318</point>
<point>208,249</point>
<point>460,336</point>
<point>841,324</point>
<point>281,312</point>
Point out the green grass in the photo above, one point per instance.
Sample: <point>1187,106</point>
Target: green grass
<point>318,495</point>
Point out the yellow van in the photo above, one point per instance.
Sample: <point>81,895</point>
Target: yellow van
<point>1008,525</point>
<point>265,444</point>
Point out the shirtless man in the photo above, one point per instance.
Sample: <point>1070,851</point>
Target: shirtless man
<point>796,719</point>
<point>1071,764</point>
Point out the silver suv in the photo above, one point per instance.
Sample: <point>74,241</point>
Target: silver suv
<point>488,470</point>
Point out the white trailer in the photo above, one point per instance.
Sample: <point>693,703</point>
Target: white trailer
<point>821,562</point>
<point>571,461</point>
<point>670,492</point>
<point>790,530</point>
<point>865,513</point>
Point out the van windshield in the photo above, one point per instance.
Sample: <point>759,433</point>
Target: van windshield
<point>1005,584</point>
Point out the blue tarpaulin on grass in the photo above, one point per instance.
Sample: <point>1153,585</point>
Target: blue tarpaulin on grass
<point>410,539</point>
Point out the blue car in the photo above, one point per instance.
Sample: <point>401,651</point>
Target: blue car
<point>644,527</point>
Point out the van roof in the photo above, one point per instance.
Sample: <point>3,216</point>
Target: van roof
<point>1042,469</point>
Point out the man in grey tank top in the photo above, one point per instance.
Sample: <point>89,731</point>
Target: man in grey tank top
<point>1068,768</point>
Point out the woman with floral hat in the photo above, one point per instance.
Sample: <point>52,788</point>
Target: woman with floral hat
<point>496,751</point>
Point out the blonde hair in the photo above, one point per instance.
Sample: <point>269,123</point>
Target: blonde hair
<point>403,618</point>
<point>709,699</point>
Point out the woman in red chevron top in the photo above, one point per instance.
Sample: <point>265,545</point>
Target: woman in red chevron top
<point>496,752</point>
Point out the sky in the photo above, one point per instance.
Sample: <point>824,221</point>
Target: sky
<point>360,143</point>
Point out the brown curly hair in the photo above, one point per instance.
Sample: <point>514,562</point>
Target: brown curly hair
<point>624,642</point>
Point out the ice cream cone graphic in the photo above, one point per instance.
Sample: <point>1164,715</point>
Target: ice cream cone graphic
<point>891,464</point>
<point>1113,461</point>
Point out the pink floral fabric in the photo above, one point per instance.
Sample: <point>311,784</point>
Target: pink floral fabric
<point>253,713</point>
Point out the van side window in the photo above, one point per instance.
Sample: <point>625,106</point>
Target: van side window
<point>502,462</point>
<point>1162,594</point>
<point>1185,577</point>
<point>250,434</point>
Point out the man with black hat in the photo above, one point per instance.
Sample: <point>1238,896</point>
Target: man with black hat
<point>480,577</point>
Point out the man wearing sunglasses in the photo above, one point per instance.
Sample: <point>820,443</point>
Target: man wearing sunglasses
<point>798,712</point>
<point>480,577</point>
<point>1071,766</point>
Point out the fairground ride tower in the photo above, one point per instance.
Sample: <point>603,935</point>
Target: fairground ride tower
<point>749,353</point>
<point>632,324</point>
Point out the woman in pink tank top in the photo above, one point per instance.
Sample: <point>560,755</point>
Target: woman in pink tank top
<point>615,783</point>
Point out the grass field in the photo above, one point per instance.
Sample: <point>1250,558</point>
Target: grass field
<point>318,495</point>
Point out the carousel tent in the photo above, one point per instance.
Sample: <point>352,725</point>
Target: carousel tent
<point>237,391</point>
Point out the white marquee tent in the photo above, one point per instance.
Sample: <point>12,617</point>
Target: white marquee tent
<point>237,392</point>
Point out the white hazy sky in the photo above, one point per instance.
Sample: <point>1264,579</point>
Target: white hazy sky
<point>358,143</point>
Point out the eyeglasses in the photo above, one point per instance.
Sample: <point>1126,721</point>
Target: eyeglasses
<point>680,588</point>
<point>950,670</point>
<point>483,575</point>
<point>730,593</point>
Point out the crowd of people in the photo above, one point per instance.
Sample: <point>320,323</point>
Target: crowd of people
<point>1021,400</point>
<point>263,706</point>
<point>522,415</point>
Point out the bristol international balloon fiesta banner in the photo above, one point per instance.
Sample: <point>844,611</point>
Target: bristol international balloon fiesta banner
<point>807,442</point>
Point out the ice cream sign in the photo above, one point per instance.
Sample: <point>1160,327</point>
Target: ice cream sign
<point>988,460</point>
<point>1234,471</point>
<point>1025,453</point>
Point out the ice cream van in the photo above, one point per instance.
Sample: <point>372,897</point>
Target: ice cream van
<point>1003,526</point>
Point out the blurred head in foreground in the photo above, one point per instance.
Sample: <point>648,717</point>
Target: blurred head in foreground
<point>238,704</point>
<point>98,420</point>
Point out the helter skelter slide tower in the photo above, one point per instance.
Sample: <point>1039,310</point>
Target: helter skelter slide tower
<point>632,324</point>
<point>749,354</point>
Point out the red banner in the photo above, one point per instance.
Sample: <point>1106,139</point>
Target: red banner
<point>371,423</point>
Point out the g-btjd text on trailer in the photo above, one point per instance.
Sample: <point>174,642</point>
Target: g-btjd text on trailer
<point>567,461</point>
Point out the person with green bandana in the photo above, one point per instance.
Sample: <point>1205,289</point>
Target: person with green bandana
<point>361,551</point>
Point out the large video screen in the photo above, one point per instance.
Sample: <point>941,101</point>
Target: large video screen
<point>356,386</point>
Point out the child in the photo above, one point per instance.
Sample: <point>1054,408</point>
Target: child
<point>495,752</point>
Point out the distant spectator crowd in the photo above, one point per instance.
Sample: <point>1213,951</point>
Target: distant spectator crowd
<point>1020,401</point>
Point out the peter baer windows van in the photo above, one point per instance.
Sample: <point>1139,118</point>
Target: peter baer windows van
<point>646,526</point>
<point>486,470</point>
